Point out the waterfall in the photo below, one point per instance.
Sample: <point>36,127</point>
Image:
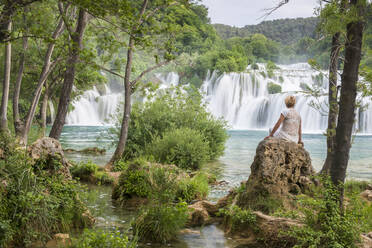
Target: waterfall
<point>243,100</point>
<point>95,108</point>
<point>52,111</point>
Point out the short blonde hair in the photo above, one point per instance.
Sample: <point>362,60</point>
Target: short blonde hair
<point>290,101</point>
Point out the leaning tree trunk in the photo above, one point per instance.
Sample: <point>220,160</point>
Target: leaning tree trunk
<point>6,82</point>
<point>17,89</point>
<point>340,158</point>
<point>47,68</point>
<point>332,102</point>
<point>44,109</point>
<point>68,82</point>
<point>127,108</point>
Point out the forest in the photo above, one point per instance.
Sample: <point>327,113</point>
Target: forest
<point>180,108</point>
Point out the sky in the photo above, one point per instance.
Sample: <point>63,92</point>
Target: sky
<point>246,12</point>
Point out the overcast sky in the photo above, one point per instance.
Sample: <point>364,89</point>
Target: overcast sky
<point>244,12</point>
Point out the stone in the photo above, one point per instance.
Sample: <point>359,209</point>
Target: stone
<point>366,241</point>
<point>202,213</point>
<point>59,240</point>
<point>280,169</point>
<point>88,218</point>
<point>367,194</point>
<point>1,154</point>
<point>49,153</point>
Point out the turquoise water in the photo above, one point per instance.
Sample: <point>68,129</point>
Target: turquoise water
<point>234,167</point>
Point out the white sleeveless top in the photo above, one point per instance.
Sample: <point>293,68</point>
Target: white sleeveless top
<point>290,125</point>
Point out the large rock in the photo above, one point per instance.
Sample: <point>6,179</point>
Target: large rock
<point>47,153</point>
<point>202,213</point>
<point>280,169</point>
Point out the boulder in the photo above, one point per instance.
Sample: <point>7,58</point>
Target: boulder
<point>280,170</point>
<point>202,213</point>
<point>47,153</point>
<point>367,194</point>
<point>366,240</point>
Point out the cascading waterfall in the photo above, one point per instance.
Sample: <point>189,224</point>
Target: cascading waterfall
<point>94,108</point>
<point>243,100</point>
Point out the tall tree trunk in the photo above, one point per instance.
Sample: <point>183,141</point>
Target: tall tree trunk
<point>68,82</point>
<point>47,68</point>
<point>332,102</point>
<point>127,108</point>
<point>17,88</point>
<point>6,82</point>
<point>353,49</point>
<point>44,109</point>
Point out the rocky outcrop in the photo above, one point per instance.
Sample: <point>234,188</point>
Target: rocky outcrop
<point>280,170</point>
<point>47,153</point>
<point>267,231</point>
<point>202,213</point>
<point>367,195</point>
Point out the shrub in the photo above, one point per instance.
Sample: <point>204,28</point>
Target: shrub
<point>325,225</point>
<point>103,239</point>
<point>237,218</point>
<point>173,109</point>
<point>164,183</point>
<point>34,203</point>
<point>194,188</point>
<point>271,66</point>
<point>273,88</point>
<point>183,147</point>
<point>160,222</point>
<point>84,170</point>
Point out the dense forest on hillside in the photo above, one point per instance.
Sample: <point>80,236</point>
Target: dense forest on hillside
<point>286,31</point>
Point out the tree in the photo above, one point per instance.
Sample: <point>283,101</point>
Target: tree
<point>349,79</point>
<point>69,77</point>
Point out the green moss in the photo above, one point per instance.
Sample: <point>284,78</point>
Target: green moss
<point>273,88</point>
<point>237,219</point>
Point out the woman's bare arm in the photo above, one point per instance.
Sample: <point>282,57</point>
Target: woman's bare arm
<point>277,125</point>
<point>300,134</point>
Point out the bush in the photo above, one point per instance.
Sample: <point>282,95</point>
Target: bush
<point>174,109</point>
<point>325,225</point>
<point>90,172</point>
<point>160,222</point>
<point>195,188</point>
<point>103,239</point>
<point>183,147</point>
<point>84,170</point>
<point>237,218</point>
<point>273,88</point>
<point>164,183</point>
<point>35,204</point>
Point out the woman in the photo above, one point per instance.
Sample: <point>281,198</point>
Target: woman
<point>291,128</point>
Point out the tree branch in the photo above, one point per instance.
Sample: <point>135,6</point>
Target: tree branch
<point>149,70</point>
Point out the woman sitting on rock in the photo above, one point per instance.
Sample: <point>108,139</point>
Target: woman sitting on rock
<point>291,128</point>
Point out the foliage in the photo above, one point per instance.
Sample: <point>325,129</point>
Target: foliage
<point>90,172</point>
<point>193,188</point>
<point>160,222</point>
<point>160,182</point>
<point>273,88</point>
<point>325,225</point>
<point>103,239</point>
<point>183,147</point>
<point>35,204</point>
<point>170,110</point>
<point>285,31</point>
<point>237,218</point>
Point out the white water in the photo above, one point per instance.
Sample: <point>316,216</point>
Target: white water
<point>242,99</point>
